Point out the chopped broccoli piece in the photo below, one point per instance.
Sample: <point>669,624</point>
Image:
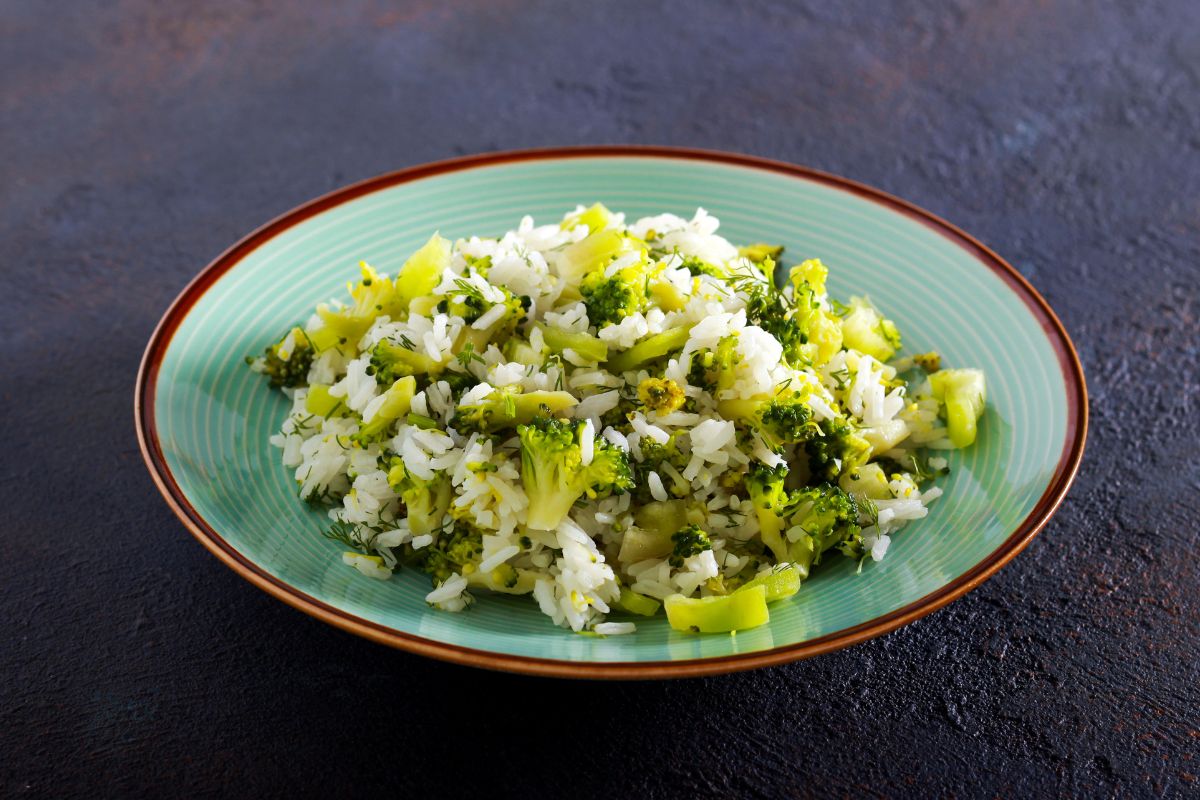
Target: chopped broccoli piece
<point>761,252</point>
<point>648,349</point>
<point>320,402</point>
<point>930,362</point>
<point>597,218</point>
<point>781,582</point>
<point>456,551</point>
<point>422,271</point>
<point>713,371</point>
<point>771,500</point>
<point>391,361</point>
<point>609,299</point>
<point>865,329</point>
<point>686,542</point>
<point>636,603</point>
<point>396,402</point>
<point>698,266</point>
<point>661,395</point>
<point>553,473</point>
<point>786,420</point>
<point>285,368</point>
<point>836,449</point>
<point>507,407</point>
<point>963,395</point>
<point>826,513</point>
<point>426,500</point>
<point>718,614</point>
<point>374,295</point>
<point>584,256</point>
<point>589,347</point>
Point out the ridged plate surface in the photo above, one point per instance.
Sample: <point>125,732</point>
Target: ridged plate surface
<point>204,418</point>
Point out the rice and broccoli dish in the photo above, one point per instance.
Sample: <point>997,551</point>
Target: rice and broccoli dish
<point>615,419</point>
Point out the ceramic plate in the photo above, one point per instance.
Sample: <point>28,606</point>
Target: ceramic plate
<point>204,419</point>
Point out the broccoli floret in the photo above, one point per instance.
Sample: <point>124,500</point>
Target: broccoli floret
<point>712,370</point>
<point>283,367</point>
<point>507,406</point>
<point>837,448</point>
<point>826,513</point>
<point>553,473</point>
<point>662,395</point>
<point>786,420</point>
<point>771,503</point>
<point>654,455</point>
<point>930,362</point>
<point>391,361</point>
<point>455,552</point>
<point>688,541</point>
<point>467,301</point>
<point>611,299</point>
<point>426,501</point>
<point>480,265</point>
<point>793,314</point>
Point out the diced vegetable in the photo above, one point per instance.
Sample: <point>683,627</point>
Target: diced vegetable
<point>586,346</point>
<point>648,349</point>
<point>963,393</point>
<point>636,603</point>
<point>719,614</point>
<point>779,583</point>
<point>320,402</point>
<point>864,329</point>
<point>397,400</point>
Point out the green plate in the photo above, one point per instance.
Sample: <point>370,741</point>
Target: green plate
<point>204,419</point>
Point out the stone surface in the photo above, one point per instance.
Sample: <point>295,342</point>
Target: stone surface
<point>139,139</point>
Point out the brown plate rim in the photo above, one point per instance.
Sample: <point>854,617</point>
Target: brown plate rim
<point>1064,474</point>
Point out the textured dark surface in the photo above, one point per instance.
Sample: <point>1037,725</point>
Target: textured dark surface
<point>138,139</point>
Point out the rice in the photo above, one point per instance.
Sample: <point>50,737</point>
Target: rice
<point>508,416</point>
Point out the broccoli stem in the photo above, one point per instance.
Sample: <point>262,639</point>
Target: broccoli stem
<point>779,583</point>
<point>586,346</point>
<point>638,604</point>
<point>650,348</point>
<point>396,403</point>
<point>719,614</point>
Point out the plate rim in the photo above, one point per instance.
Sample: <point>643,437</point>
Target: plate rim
<point>1065,470</point>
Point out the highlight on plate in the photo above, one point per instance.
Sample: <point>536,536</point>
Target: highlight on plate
<point>615,419</point>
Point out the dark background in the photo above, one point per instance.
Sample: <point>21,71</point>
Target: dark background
<point>138,139</point>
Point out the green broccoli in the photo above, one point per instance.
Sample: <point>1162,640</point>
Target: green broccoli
<point>713,370</point>
<point>652,347</point>
<point>827,514</point>
<point>688,541</point>
<point>456,551</point>
<point>837,448</point>
<point>760,252</point>
<point>785,420</point>
<point>771,504</point>
<point>467,301</point>
<point>391,361</point>
<point>290,371</point>
<point>654,455</point>
<point>553,473</point>
<point>611,299</point>
<point>866,330</point>
<point>507,407</point>
<point>662,395</point>
<point>426,501</point>
<point>698,266</point>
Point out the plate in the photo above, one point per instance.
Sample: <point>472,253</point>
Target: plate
<point>203,418</point>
